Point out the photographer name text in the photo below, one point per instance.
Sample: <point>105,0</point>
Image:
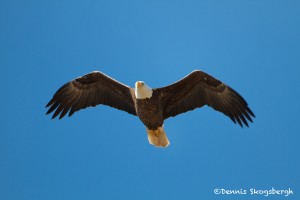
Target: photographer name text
<point>254,191</point>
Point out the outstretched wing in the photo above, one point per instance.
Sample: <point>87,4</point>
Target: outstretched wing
<point>90,90</point>
<point>199,89</point>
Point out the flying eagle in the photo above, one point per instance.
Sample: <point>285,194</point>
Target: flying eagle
<point>152,106</point>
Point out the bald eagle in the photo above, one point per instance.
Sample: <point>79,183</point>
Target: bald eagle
<point>152,106</point>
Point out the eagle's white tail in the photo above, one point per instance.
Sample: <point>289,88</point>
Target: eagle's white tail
<point>158,137</point>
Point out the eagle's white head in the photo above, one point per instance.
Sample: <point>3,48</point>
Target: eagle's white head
<point>142,91</point>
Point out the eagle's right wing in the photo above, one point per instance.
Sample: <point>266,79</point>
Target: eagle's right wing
<point>90,90</point>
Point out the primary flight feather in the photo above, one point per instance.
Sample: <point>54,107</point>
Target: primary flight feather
<point>152,106</point>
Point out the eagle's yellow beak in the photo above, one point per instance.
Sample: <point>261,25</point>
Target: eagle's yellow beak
<point>139,84</point>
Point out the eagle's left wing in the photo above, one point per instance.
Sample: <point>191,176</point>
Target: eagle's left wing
<point>199,89</point>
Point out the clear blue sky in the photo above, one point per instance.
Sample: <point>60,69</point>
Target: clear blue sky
<point>103,153</point>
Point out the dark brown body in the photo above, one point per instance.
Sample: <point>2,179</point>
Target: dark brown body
<point>150,111</point>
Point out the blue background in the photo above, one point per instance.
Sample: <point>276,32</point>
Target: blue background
<point>103,153</point>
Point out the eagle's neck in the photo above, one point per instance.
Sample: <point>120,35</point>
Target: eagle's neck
<point>142,91</point>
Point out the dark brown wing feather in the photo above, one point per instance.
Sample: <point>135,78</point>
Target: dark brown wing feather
<point>90,90</point>
<point>199,89</point>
